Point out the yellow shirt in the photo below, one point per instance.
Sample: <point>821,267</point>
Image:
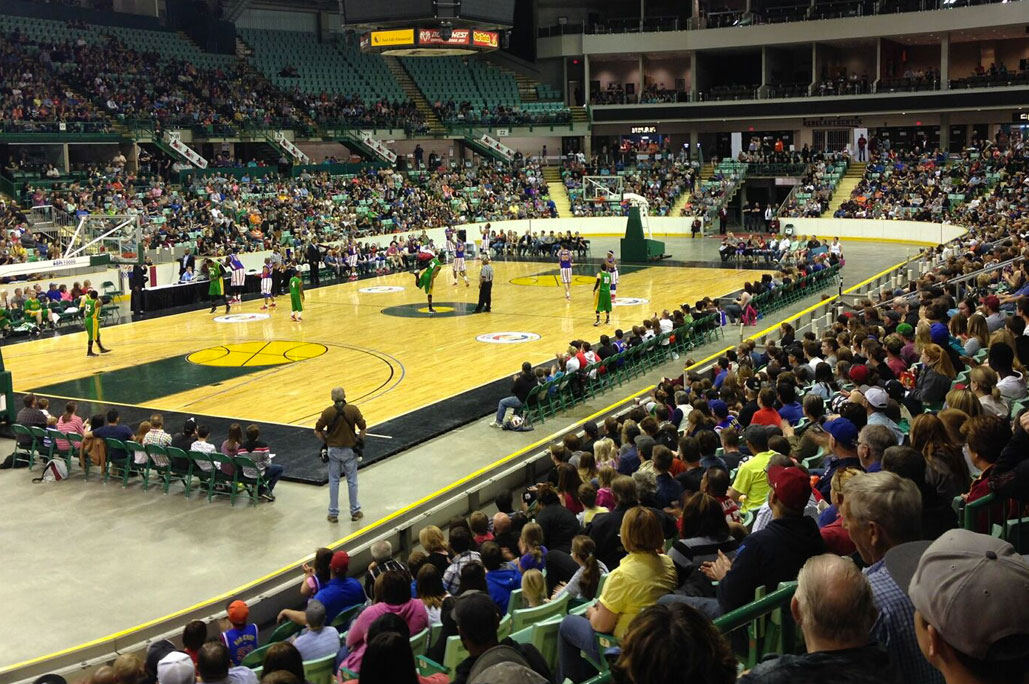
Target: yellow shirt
<point>590,513</point>
<point>752,481</point>
<point>638,582</point>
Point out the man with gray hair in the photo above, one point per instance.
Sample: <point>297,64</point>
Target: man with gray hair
<point>881,510</point>
<point>338,428</point>
<point>833,607</point>
<point>873,441</point>
<point>316,641</point>
<point>382,561</point>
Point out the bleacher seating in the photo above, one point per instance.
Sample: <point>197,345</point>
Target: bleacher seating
<point>474,92</point>
<point>322,67</point>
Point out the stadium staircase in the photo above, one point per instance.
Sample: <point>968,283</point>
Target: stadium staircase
<point>677,208</point>
<point>557,191</point>
<point>855,172</point>
<point>580,115</point>
<point>243,50</point>
<point>415,95</point>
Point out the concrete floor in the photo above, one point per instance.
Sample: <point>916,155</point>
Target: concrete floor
<point>83,560</point>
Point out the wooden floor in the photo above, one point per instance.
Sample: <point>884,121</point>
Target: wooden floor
<point>389,363</point>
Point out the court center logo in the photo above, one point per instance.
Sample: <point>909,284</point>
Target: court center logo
<point>507,337</point>
<point>630,301</point>
<point>381,289</point>
<point>241,318</point>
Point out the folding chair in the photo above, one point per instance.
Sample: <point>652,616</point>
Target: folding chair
<point>29,452</point>
<point>284,631</point>
<point>525,617</point>
<point>157,462</point>
<point>320,671</point>
<point>249,476</point>
<point>219,476</point>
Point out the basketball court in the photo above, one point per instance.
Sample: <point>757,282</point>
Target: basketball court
<point>374,336</point>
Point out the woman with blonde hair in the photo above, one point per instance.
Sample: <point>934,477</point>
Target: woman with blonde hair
<point>958,326</point>
<point>947,472</point>
<point>141,432</point>
<point>534,589</point>
<point>953,420</point>
<point>587,466</point>
<point>923,338</point>
<point>978,336</point>
<point>605,453</point>
<point>435,546</point>
<point>983,383</point>
<point>629,432</point>
<point>964,400</point>
<point>605,476</point>
<point>643,576</point>
<point>530,545</point>
<point>935,376</point>
<point>835,535</point>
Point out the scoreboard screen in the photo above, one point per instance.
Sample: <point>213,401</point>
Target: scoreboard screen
<point>491,11</point>
<point>365,12</point>
<point>368,12</point>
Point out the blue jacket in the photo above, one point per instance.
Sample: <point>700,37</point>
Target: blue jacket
<point>501,582</point>
<point>629,462</point>
<point>765,558</point>
<point>338,595</point>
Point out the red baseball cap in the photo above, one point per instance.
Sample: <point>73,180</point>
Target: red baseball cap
<point>340,563</point>
<point>859,374</point>
<point>791,486</point>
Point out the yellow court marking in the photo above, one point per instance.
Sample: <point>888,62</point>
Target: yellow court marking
<point>257,353</point>
<point>552,280</point>
<point>437,309</point>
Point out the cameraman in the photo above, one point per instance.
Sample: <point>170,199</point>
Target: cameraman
<point>337,428</point>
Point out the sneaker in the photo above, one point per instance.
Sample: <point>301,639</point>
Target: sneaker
<point>596,324</point>
<point>357,516</point>
<point>332,519</point>
<point>264,308</point>
<point>213,308</point>
<point>92,354</point>
<point>494,423</point>
<point>104,351</point>
<point>267,496</point>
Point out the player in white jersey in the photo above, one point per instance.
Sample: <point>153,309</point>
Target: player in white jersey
<point>484,243</point>
<point>564,257</point>
<point>612,268</point>
<point>458,266</point>
<point>266,283</point>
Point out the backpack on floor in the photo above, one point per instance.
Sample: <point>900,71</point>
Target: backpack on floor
<point>54,471</point>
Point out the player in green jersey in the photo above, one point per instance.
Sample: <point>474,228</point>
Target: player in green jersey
<point>602,295</point>
<point>90,306</point>
<point>216,290</point>
<point>296,297</point>
<point>426,278</point>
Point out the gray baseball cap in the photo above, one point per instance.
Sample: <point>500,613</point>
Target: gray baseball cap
<point>973,588</point>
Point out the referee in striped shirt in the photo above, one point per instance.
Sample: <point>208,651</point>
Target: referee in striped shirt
<point>485,286</point>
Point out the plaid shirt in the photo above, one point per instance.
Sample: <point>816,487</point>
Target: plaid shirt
<point>160,438</point>
<point>895,627</point>
<point>452,577</point>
